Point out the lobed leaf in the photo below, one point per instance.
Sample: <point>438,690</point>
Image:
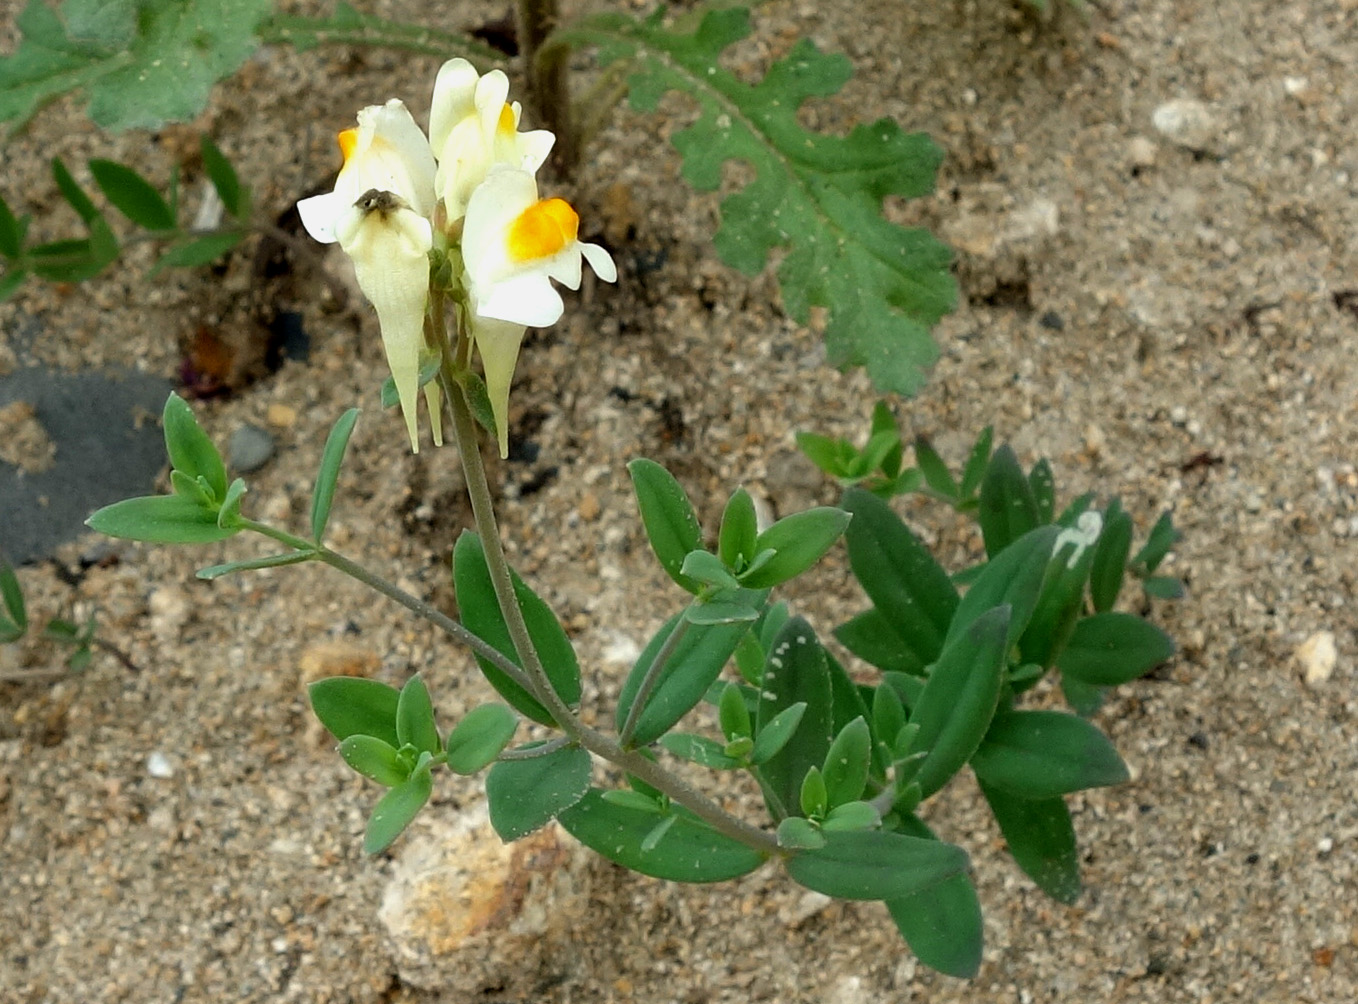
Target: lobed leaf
<point>817,196</point>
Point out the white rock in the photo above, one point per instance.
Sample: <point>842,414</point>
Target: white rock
<point>170,610</point>
<point>158,765</point>
<point>1142,152</point>
<point>466,912</point>
<point>1317,657</point>
<point>1188,123</point>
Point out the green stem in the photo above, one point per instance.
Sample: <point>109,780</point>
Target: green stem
<point>576,731</point>
<point>414,604</point>
<point>648,682</point>
<point>533,752</point>
<point>304,33</point>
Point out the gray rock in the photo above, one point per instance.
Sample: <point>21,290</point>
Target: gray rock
<point>249,449</point>
<point>108,447</point>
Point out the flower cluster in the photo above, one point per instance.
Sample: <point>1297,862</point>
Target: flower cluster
<point>469,185</point>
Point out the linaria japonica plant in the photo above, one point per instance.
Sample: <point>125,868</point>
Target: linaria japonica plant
<point>457,250</point>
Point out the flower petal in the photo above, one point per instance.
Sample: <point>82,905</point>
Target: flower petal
<point>321,213</point>
<point>389,245</point>
<point>498,345</point>
<point>601,261</point>
<point>525,299</point>
<point>454,99</point>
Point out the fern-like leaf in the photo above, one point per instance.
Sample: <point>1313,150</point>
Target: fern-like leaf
<point>817,196</point>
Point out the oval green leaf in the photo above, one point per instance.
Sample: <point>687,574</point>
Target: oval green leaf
<point>875,864</point>
<point>160,519</point>
<point>191,451</point>
<point>479,738</point>
<point>328,473</point>
<point>525,795</point>
<point>133,196</point>
<point>1041,839</point>
<point>352,706</point>
<point>396,810</point>
<point>671,524</point>
<point>415,717</point>
<point>374,759</point>
<point>798,542</point>
<point>1045,754</point>
<point>1111,648</point>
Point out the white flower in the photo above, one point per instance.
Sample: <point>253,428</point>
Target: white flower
<point>389,244</point>
<point>472,128</point>
<point>387,152</point>
<point>513,244</point>
<point>379,212</point>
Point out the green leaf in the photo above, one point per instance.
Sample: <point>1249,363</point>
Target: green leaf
<point>374,759</point>
<point>141,64</point>
<point>415,718</point>
<point>1041,840</point>
<point>1044,754</point>
<point>199,250</point>
<point>959,699</point>
<point>671,524</point>
<point>900,576</point>
<point>328,473</point>
<point>352,706</point>
<point>397,809</point>
<point>777,733</point>
<point>818,196</point>
<point>1111,648</point>
<point>191,451</point>
<point>253,564</point>
<point>935,471</point>
<point>884,429</point>
<point>814,799</point>
<point>13,596</point>
<point>846,764</point>
<point>698,749</point>
<point>1084,698</point>
<point>875,864</point>
<point>833,456</point>
<point>11,232</point>
<point>1013,578</point>
<point>1043,484</point>
<point>479,738</point>
<point>11,281</point>
<point>1110,558</point>
<point>943,926</point>
<point>720,612</point>
<point>735,542</point>
<point>871,637</point>
<point>799,834</point>
<point>160,519</point>
<point>481,615</point>
<point>1008,507</point>
<point>1163,536</point>
<point>852,816</point>
<point>732,714</point>
<point>694,664</point>
<point>707,570</point>
<point>133,196</point>
<point>795,672</point>
<point>977,462</point>
<point>66,184</point>
<point>525,795</point>
<point>1162,587</point>
<point>798,542</point>
<point>235,197</point>
<point>228,516</point>
<point>688,850</point>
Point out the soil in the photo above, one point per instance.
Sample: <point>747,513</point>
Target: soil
<point>1170,319</point>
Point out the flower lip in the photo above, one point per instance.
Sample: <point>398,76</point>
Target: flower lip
<point>542,230</point>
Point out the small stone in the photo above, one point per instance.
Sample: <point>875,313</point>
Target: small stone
<point>23,440</point>
<point>1324,845</point>
<point>1188,123</point>
<point>467,913</point>
<point>589,507</point>
<point>1052,321</point>
<point>1141,152</point>
<point>1317,657</point>
<point>249,449</point>
<point>281,416</point>
<point>158,765</point>
<point>170,610</point>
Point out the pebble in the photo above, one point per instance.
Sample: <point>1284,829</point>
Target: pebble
<point>281,416</point>
<point>158,765</point>
<point>249,449</point>
<point>467,913</point>
<point>1317,657</point>
<point>1188,123</point>
<point>1141,152</point>
<point>170,609</point>
<point>589,507</point>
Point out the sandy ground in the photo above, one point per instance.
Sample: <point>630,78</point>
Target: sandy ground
<point>1173,326</point>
